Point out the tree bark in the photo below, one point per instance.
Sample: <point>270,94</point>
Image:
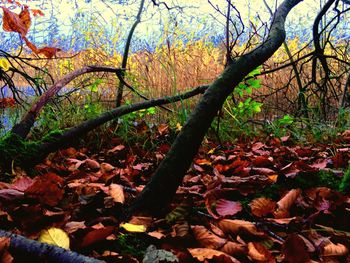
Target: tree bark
<point>23,249</point>
<point>169,175</point>
<point>70,136</point>
<point>23,127</point>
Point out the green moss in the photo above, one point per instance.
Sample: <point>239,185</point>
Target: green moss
<point>15,151</point>
<point>133,244</point>
<point>344,185</point>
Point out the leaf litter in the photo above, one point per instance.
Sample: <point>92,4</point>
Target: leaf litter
<point>250,202</point>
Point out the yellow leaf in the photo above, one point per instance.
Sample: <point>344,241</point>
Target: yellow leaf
<point>4,64</point>
<point>133,228</point>
<point>55,236</point>
<point>178,127</point>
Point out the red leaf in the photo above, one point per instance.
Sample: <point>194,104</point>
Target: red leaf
<point>96,235</point>
<point>228,208</point>
<point>47,189</point>
<point>37,12</point>
<point>295,250</point>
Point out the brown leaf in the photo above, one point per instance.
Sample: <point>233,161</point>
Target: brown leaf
<point>285,203</point>
<point>240,227</point>
<point>163,129</point>
<point>258,252</point>
<point>262,206</point>
<point>12,22</point>
<point>227,208</point>
<point>204,254</point>
<point>332,249</point>
<point>96,236</point>
<point>106,167</point>
<point>207,238</point>
<point>116,191</point>
<point>295,250</point>
<point>48,52</point>
<point>92,164</point>
<point>47,189</point>
<point>346,135</point>
<point>73,226</point>
<point>5,256</point>
<point>262,161</point>
<point>24,16</point>
<point>234,249</point>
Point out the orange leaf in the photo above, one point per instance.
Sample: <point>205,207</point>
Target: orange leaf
<point>11,22</point>
<point>258,252</point>
<point>25,18</point>
<point>240,227</point>
<point>31,45</point>
<point>234,249</point>
<point>37,12</point>
<point>48,52</point>
<point>288,200</point>
<point>262,206</point>
<point>332,249</point>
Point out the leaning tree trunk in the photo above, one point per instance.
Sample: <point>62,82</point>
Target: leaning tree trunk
<point>169,175</point>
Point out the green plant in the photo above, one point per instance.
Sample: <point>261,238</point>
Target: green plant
<point>241,113</point>
<point>279,127</point>
<point>344,185</point>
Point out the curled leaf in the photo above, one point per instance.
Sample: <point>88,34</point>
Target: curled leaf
<point>258,252</point>
<point>332,249</point>
<point>288,200</point>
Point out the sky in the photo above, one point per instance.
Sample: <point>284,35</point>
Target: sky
<point>196,15</point>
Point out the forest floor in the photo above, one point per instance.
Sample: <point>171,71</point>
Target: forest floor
<point>259,201</point>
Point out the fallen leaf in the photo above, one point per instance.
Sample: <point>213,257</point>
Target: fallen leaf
<point>234,249</point>
<point>5,256</point>
<point>207,238</point>
<point>285,203</point>
<point>262,206</point>
<point>295,250</point>
<point>47,189</point>
<point>258,252</point>
<point>241,227</point>
<point>96,235</point>
<point>116,191</point>
<point>133,228</point>
<point>205,254</point>
<point>332,249</point>
<point>55,236</point>
<point>227,208</point>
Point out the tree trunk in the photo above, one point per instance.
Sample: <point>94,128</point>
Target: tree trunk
<point>169,175</point>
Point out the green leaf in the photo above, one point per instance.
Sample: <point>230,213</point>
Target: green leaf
<point>254,83</point>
